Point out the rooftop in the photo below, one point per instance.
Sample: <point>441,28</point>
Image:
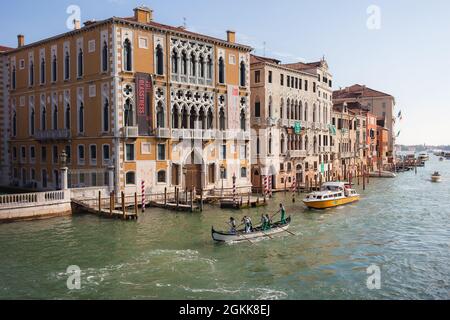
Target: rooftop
<point>358,91</point>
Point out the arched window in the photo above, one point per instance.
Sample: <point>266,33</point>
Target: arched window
<point>258,146</point>
<point>174,61</point>
<point>128,116</point>
<point>270,107</point>
<point>31,75</point>
<point>243,74</point>
<point>314,113</point>
<point>282,142</point>
<point>292,110</point>
<point>175,117</point>
<point>210,119</point>
<point>67,66</point>
<point>162,176</point>
<point>281,110</point>
<point>127,55</point>
<point>193,118</point>
<point>288,108</point>
<point>32,119</point>
<point>67,117</point>
<point>210,67</point>
<point>184,118</point>
<point>54,68</point>
<point>130,178</point>
<point>55,118</point>
<point>44,119</point>
<point>105,57</point>
<point>222,119</point>
<point>221,70</point>
<point>301,110</point>
<point>270,143</point>
<point>307,144</point>
<point>193,63</point>
<point>159,60</point>
<point>184,65</point>
<point>81,118</point>
<point>306,112</point>
<point>13,80</point>
<point>201,64</point>
<point>14,124</point>
<point>80,63</point>
<point>202,119</point>
<point>42,70</point>
<point>160,116</point>
<point>296,110</point>
<point>106,116</point>
<point>243,121</point>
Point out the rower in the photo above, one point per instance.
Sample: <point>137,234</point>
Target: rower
<point>268,223</point>
<point>283,213</point>
<point>263,222</point>
<point>232,224</point>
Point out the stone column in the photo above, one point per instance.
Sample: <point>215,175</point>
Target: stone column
<point>111,178</point>
<point>64,180</point>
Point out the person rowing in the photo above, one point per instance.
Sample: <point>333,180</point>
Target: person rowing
<point>232,224</point>
<point>283,213</point>
<point>248,224</point>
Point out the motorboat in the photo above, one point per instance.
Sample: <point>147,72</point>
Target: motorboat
<point>331,194</point>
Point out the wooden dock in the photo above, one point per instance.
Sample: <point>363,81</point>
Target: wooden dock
<point>175,206</point>
<point>241,203</point>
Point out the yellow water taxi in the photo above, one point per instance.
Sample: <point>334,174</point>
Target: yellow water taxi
<point>332,194</point>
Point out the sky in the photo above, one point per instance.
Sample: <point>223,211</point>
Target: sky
<point>399,47</point>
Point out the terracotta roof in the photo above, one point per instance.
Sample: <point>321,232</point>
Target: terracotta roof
<point>358,91</point>
<point>5,49</point>
<point>304,66</point>
<point>256,59</point>
<point>183,30</point>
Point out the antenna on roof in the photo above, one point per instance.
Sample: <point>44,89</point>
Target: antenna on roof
<point>184,22</point>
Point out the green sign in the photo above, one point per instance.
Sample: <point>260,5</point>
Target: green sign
<point>332,129</point>
<point>298,127</point>
<point>322,168</point>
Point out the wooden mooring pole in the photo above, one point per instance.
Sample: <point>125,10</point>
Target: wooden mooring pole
<point>135,204</point>
<point>111,202</point>
<point>99,202</point>
<point>123,206</point>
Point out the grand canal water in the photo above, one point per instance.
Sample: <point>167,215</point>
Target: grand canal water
<point>401,225</point>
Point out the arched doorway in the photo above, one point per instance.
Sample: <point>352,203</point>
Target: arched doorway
<point>299,174</point>
<point>256,179</point>
<point>192,171</point>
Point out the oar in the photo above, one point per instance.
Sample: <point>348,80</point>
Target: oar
<point>242,235</point>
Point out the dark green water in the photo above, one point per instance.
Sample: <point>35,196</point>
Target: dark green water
<point>401,225</point>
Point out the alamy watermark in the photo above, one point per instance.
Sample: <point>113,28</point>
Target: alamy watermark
<point>374,278</point>
<point>74,279</point>
<point>74,13</point>
<point>374,19</point>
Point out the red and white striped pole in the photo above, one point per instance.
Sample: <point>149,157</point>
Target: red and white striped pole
<point>294,188</point>
<point>143,195</point>
<point>265,186</point>
<point>270,186</point>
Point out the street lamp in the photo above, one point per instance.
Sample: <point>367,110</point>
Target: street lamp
<point>63,158</point>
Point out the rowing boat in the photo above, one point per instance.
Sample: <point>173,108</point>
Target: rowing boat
<point>240,235</point>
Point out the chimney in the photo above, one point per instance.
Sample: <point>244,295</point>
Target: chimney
<point>231,36</point>
<point>143,14</point>
<point>20,40</point>
<point>76,24</point>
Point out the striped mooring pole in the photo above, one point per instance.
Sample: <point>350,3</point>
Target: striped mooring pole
<point>294,188</point>
<point>143,195</point>
<point>234,188</point>
<point>270,187</point>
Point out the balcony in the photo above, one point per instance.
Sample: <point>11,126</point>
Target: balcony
<point>297,154</point>
<point>271,122</point>
<point>49,135</point>
<point>163,133</point>
<point>283,122</point>
<point>130,132</point>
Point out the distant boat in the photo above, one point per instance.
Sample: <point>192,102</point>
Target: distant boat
<point>441,159</point>
<point>423,157</point>
<point>382,174</point>
<point>436,177</point>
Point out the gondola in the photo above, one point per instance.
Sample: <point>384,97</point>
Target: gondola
<point>240,235</point>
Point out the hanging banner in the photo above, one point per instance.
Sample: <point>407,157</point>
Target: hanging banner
<point>233,108</point>
<point>144,87</point>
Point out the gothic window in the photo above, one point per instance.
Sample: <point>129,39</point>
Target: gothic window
<point>54,68</point>
<point>127,55</point>
<point>210,119</point>
<point>128,117</point>
<point>201,63</point>
<point>202,119</point>
<point>13,80</point>
<point>175,116</point>
<point>174,61</point>
<point>67,66</point>
<point>193,118</point>
<point>306,112</point>
<point>81,118</point>
<point>80,63</point>
<point>184,119</point>
<point>270,143</point>
<point>44,119</point>
<point>106,116</point>
<point>258,146</point>
<point>184,65</point>
<point>193,63</point>
<point>242,74</point>
<point>32,119</point>
<point>55,118</point>
<point>222,119</point>
<point>282,141</point>
<point>221,71</point>
<point>160,116</point>
<point>14,124</point>
<point>210,67</point>
<point>31,74</point>
<point>243,121</point>
<point>67,117</point>
<point>42,71</point>
<point>105,57</point>
<point>159,60</point>
<point>281,110</point>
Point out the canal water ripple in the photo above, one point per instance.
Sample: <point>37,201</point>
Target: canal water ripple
<point>400,225</point>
